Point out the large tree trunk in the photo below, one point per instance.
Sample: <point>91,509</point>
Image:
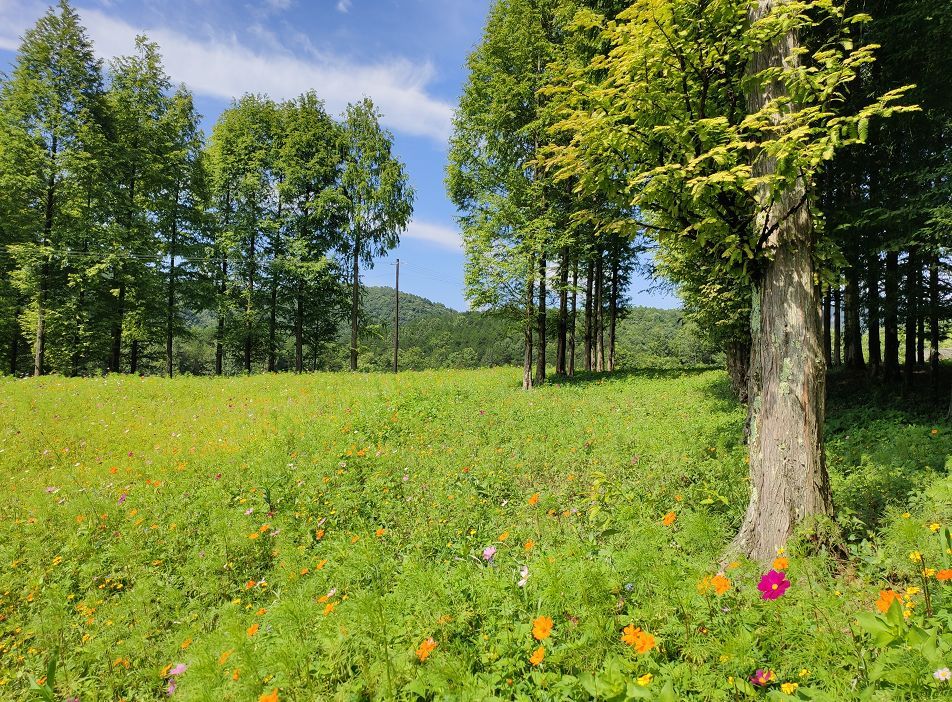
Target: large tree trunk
<point>354,303</point>
<point>872,307</point>
<point>912,317</point>
<point>853,350</point>
<point>589,309</point>
<point>891,318</point>
<point>934,331</point>
<point>738,368</point>
<point>540,324</point>
<point>561,351</point>
<point>573,320</point>
<point>788,477</point>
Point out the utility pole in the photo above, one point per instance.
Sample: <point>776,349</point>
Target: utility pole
<point>396,325</point>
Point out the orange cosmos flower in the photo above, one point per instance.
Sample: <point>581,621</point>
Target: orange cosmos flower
<point>886,598</point>
<point>944,574</point>
<point>542,628</point>
<point>425,649</point>
<point>529,545</point>
<point>329,607</point>
<point>253,629</point>
<point>537,656</point>
<point>721,584</point>
<point>319,534</point>
<point>223,658</point>
<point>781,563</point>
<point>534,500</point>
<point>269,697</point>
<point>639,640</point>
<point>380,532</point>
<point>669,519</point>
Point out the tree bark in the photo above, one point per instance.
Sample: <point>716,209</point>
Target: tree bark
<point>273,329</point>
<point>738,368</point>
<point>354,303</point>
<point>540,324</point>
<point>613,313</point>
<point>220,333</point>
<point>589,309</point>
<point>891,318</point>
<point>561,351</point>
<point>249,296</point>
<point>934,330</point>
<point>134,357</point>
<point>39,354</point>
<point>170,311</point>
<point>872,308</point>
<point>115,363</point>
<point>788,477</point>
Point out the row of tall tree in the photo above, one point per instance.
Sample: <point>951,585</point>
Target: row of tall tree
<point>121,227</point>
<point>775,154</point>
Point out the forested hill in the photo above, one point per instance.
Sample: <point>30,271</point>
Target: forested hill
<point>435,336</point>
<point>378,306</point>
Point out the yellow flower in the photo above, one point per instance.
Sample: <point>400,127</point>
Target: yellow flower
<point>906,515</point>
<point>804,672</point>
<point>934,527</point>
<point>503,536</point>
<point>645,679</point>
<point>915,557</point>
<point>789,688</point>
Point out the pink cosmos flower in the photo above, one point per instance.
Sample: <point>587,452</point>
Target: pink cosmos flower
<point>489,553</point>
<point>762,678</point>
<point>178,670</point>
<point>773,585</point>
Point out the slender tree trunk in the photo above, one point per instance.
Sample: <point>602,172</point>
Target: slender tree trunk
<point>599,313</point>
<point>589,310</point>
<point>934,330</point>
<point>134,357</point>
<point>39,355</point>
<point>921,342</point>
<point>891,318</point>
<point>853,351</point>
<point>912,316</point>
<point>299,330</point>
<point>788,477</point>
<point>354,303</point>
<point>220,334</point>
<point>273,329</point>
<point>15,341</point>
<point>170,309</point>
<point>249,299</point>
<point>828,327</point>
<point>540,324</point>
<point>561,352</point>
<point>613,314</point>
<point>527,330</point>
<point>872,307</point>
<point>837,326</point>
<point>574,319</point>
<point>115,363</point>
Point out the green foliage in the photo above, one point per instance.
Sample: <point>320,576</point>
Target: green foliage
<point>127,546</point>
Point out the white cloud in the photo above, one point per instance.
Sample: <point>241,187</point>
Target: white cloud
<point>279,4</point>
<point>446,237</point>
<point>223,67</point>
<point>343,5</point>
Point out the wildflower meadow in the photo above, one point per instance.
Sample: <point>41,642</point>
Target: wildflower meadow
<point>448,536</point>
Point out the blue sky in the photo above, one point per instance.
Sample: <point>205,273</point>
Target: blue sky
<point>408,55</point>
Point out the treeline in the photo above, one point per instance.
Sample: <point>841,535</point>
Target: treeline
<point>775,156</point>
<point>435,337</point>
<point>123,230</point>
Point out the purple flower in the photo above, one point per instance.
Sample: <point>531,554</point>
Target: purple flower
<point>122,498</point>
<point>178,670</point>
<point>489,553</point>
<point>762,678</point>
<point>773,585</point>
<point>170,690</point>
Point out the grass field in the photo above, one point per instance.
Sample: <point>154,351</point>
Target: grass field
<point>447,536</point>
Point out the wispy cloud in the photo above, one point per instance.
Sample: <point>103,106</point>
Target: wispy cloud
<point>445,237</point>
<point>343,5</point>
<point>224,67</point>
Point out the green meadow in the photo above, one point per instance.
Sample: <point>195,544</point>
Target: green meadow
<point>445,535</point>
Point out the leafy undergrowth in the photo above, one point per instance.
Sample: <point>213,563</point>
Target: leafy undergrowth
<point>447,536</point>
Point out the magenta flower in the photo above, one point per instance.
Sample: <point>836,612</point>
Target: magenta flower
<point>170,690</point>
<point>489,553</point>
<point>773,585</point>
<point>762,678</point>
<point>122,498</point>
